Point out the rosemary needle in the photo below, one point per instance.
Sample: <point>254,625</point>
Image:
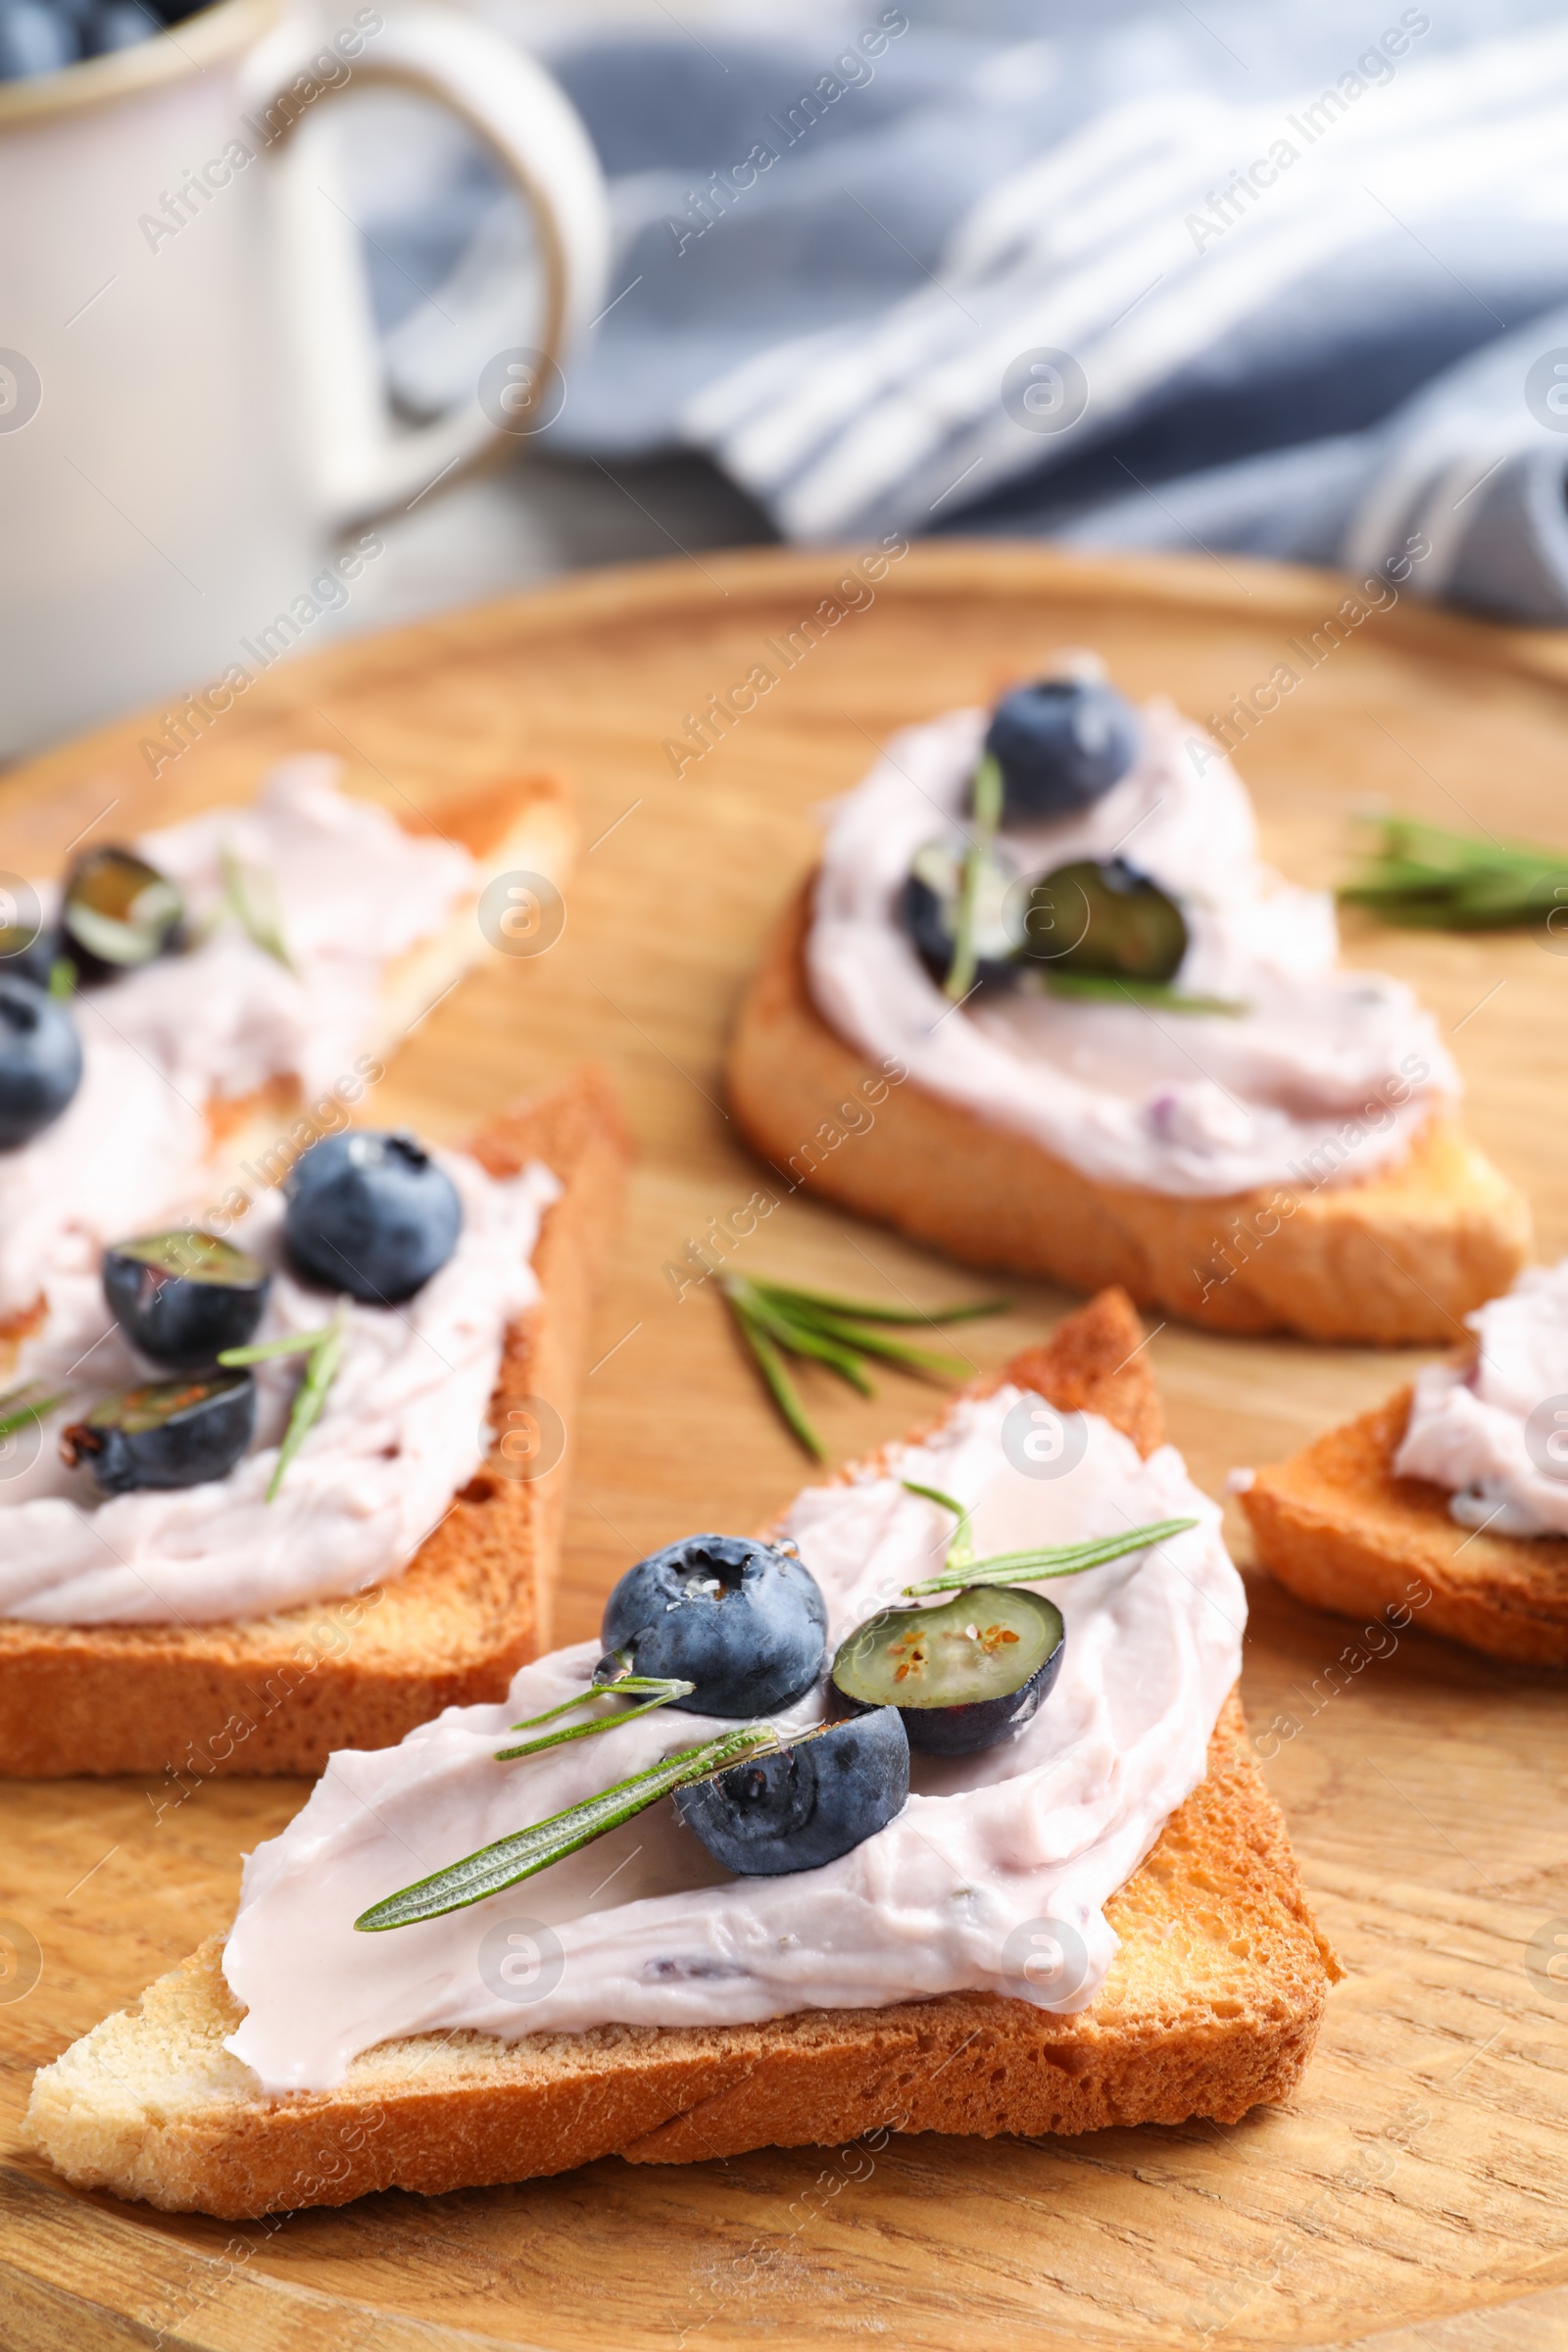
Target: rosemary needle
<point>18,1406</point>
<point>1427,878</point>
<point>324,1351</point>
<point>986,818</point>
<point>776,1320</point>
<point>528,1852</point>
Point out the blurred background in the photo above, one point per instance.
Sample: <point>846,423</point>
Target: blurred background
<point>318,319</point>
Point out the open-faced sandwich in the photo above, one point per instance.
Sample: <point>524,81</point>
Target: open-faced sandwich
<point>1122,1049</point>
<point>1450,1498</point>
<point>264,1477</point>
<point>931,1809</point>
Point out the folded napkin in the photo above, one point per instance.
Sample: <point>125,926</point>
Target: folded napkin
<point>1287,279</point>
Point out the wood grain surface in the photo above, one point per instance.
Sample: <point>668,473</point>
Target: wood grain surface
<point>1414,2195</point>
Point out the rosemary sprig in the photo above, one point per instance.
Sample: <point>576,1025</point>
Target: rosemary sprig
<point>526,1852</point>
<point>960,1567</point>
<point>324,1348</point>
<point>775,1319</point>
<point>861,1312</point>
<point>18,1408</point>
<point>1106,987</point>
<point>1427,878</point>
<point>651,1689</point>
<point>961,1551</point>
<point>251,894</point>
<point>987,820</point>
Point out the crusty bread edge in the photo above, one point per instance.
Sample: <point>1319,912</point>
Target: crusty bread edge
<point>1335,1527</point>
<point>1399,1257</point>
<point>277,1694</point>
<point>436,2114</point>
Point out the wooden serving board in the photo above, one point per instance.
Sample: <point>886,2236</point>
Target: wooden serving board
<point>1414,2194</point>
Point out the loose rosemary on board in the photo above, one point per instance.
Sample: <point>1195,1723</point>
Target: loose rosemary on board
<point>1427,878</point>
<point>776,1320</point>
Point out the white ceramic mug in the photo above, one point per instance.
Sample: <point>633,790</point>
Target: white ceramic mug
<point>191,409</point>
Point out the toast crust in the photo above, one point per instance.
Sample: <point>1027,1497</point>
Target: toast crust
<point>1401,1256</point>
<point>277,1694</point>
<point>1337,1527</point>
<point>1212,2005</point>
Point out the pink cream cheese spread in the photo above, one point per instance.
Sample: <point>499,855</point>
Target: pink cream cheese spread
<point>993,1877</point>
<point>1494,1431</point>
<point>352,891</point>
<point>405,1424</point>
<point>1326,1075</point>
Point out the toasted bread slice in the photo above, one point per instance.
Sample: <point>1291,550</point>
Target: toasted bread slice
<point>279,1693</point>
<point>1337,1528</point>
<point>1401,1256</point>
<point>1212,2004</point>
<point>522,825</point>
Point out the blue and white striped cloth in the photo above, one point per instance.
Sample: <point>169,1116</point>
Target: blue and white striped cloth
<point>1291,278</point>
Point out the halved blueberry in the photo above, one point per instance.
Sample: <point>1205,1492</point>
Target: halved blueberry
<point>744,1622</point>
<point>964,1672</point>
<point>805,1804</point>
<point>40,1062</point>
<point>28,945</point>
<point>928,909</point>
<point>1060,744</point>
<point>371,1214</point>
<point>170,1433</point>
<point>117,912</point>
<point>183,1296</point>
<point>1104,917</point>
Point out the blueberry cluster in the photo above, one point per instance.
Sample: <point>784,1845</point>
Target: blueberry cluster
<point>1055,748</point>
<point>744,1625</point>
<point>116,912</point>
<point>42,37</point>
<point>369,1213</point>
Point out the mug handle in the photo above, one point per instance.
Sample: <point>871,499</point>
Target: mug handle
<point>526,119</point>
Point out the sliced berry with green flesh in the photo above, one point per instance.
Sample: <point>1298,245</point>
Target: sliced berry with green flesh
<point>169,1432</point>
<point>117,912</point>
<point>1060,744</point>
<point>183,1296</point>
<point>371,1214</point>
<point>805,1804</point>
<point>928,910</point>
<point>963,1675</point>
<point>1104,917</point>
<point>744,1623</point>
<point>40,1062</point>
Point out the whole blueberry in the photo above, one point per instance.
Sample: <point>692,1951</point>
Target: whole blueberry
<point>742,1621</point>
<point>371,1214</point>
<point>40,1062</point>
<point>805,1804</point>
<point>34,39</point>
<point>1059,745</point>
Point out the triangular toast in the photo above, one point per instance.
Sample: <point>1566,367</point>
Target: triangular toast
<point>1337,1528</point>
<point>1212,2004</point>
<point>1399,1257</point>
